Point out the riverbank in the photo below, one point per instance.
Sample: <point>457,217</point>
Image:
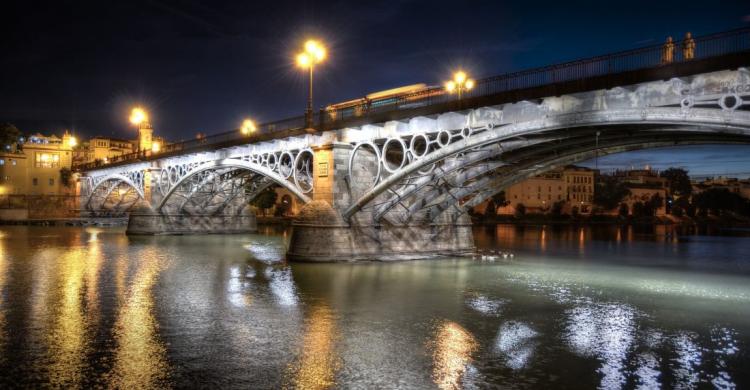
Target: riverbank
<point>100,222</point>
<point>540,219</point>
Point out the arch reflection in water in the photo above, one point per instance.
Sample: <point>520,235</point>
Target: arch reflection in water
<point>317,366</point>
<point>140,358</point>
<point>452,353</point>
<point>516,342</point>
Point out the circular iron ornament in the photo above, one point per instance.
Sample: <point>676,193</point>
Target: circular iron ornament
<point>466,132</point>
<point>413,144</point>
<point>377,158</point>
<point>306,163</point>
<point>404,152</point>
<point>444,138</point>
<point>272,161</point>
<point>687,102</point>
<point>286,164</point>
<point>730,102</point>
<point>174,176</point>
<point>164,181</point>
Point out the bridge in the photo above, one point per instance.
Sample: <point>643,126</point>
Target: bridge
<point>395,179</point>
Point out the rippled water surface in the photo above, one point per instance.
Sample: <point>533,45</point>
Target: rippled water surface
<point>574,308</point>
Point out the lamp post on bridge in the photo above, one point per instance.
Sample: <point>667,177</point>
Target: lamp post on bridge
<point>314,53</point>
<point>461,83</point>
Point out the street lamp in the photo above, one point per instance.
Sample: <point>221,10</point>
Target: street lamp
<point>314,53</point>
<point>461,83</point>
<point>248,127</point>
<point>138,116</point>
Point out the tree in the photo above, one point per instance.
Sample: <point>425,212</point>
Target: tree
<point>609,192</point>
<point>265,200</point>
<point>520,210</point>
<point>678,181</point>
<point>655,203</point>
<point>9,135</point>
<point>716,200</point>
<point>65,176</point>
<point>624,210</point>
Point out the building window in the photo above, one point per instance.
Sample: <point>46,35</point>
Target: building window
<point>34,181</point>
<point>51,182</point>
<point>12,162</point>
<point>47,160</point>
<point>2,162</point>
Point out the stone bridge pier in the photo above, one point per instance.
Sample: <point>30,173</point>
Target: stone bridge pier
<point>321,232</point>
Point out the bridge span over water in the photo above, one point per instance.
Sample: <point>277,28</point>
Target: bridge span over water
<point>396,180</point>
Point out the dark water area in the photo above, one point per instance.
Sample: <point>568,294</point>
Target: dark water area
<point>576,307</point>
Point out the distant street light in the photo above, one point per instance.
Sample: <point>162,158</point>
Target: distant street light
<point>248,127</point>
<point>461,83</point>
<point>314,53</point>
<point>138,116</point>
<point>72,142</point>
<point>156,147</point>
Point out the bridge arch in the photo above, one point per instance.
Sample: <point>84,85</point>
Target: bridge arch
<point>262,177</point>
<point>712,123</point>
<point>105,187</point>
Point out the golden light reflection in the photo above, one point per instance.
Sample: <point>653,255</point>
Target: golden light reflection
<point>317,367</point>
<point>3,272</point>
<point>140,358</point>
<point>452,350</point>
<point>66,339</point>
<point>543,239</point>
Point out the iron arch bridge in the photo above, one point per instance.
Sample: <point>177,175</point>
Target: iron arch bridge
<point>202,184</point>
<point>375,187</point>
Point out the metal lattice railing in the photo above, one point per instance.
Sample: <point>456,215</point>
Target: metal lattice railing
<point>650,57</point>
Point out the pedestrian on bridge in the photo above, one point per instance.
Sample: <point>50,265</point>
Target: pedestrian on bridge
<point>667,52</point>
<point>688,47</point>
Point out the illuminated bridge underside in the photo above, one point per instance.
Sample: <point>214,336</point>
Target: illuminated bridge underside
<point>401,189</point>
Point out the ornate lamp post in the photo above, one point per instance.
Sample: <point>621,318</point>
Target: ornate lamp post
<point>313,54</point>
<point>248,127</point>
<point>461,83</point>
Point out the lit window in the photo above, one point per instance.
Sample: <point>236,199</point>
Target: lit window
<point>47,160</point>
<point>12,162</point>
<point>2,162</point>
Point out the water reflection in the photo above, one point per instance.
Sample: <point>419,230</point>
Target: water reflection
<point>91,308</point>
<point>606,331</point>
<point>66,340</point>
<point>516,341</point>
<point>452,352</point>
<point>140,357</point>
<point>317,366</point>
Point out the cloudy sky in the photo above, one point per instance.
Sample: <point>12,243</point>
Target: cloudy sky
<point>202,66</point>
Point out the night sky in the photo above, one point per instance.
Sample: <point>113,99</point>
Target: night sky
<point>203,66</point>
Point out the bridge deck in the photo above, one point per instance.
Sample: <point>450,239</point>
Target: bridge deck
<point>727,50</point>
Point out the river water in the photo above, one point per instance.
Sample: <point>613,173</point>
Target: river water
<point>602,307</point>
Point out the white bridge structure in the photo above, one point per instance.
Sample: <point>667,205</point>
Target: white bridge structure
<point>402,188</point>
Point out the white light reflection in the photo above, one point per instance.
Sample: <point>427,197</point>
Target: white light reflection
<point>647,373</point>
<point>605,331</point>
<point>485,305</point>
<point>516,341</point>
<point>235,285</point>
<point>688,360</point>
<point>282,286</point>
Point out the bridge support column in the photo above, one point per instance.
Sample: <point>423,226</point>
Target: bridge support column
<point>320,234</point>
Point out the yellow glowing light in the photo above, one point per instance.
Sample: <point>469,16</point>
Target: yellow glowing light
<point>316,50</point>
<point>248,127</point>
<point>45,157</point>
<point>450,86</point>
<point>138,116</point>
<point>459,77</point>
<point>303,60</point>
<point>72,142</point>
<point>155,147</point>
<point>469,84</point>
